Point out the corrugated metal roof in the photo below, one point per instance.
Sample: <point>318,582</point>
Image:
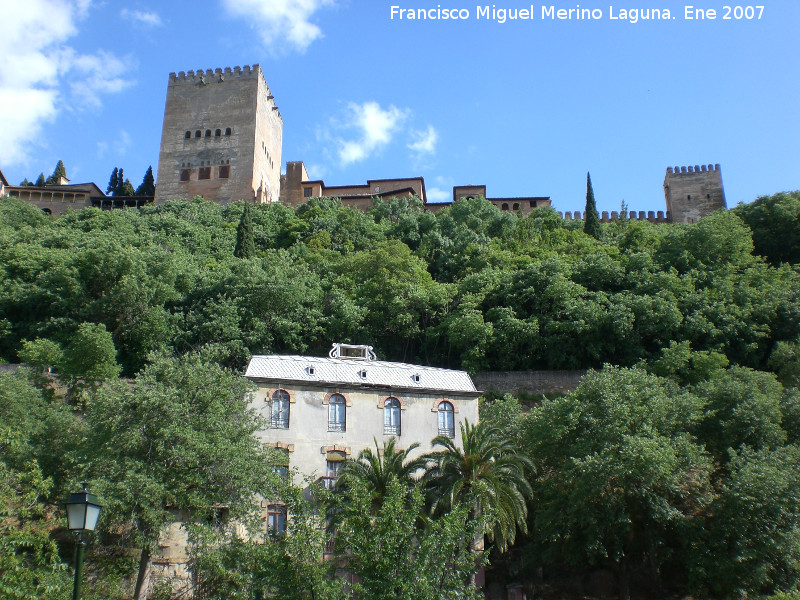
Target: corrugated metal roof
<point>324,371</point>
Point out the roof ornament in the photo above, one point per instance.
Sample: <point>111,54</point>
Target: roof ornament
<point>352,352</point>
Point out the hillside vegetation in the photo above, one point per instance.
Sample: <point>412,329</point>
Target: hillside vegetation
<point>673,468</point>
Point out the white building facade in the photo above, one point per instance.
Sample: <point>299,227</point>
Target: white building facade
<point>322,411</point>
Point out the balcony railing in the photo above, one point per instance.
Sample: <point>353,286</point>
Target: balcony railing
<point>336,426</point>
<point>391,429</point>
<point>447,431</point>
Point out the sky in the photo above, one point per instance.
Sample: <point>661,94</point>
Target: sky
<point>526,106</point>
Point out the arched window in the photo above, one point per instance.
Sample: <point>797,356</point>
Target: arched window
<point>217,133</point>
<point>504,206</point>
<point>391,416</point>
<point>447,426</point>
<point>208,133</point>
<point>279,413</point>
<point>228,131</point>
<point>337,408</point>
<point>516,205</point>
<point>197,133</point>
<point>187,135</point>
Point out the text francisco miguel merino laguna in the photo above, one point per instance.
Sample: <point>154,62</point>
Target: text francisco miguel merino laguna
<point>501,15</point>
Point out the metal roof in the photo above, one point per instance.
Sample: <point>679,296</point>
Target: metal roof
<point>359,373</point>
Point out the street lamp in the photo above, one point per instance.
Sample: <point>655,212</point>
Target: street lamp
<point>82,513</point>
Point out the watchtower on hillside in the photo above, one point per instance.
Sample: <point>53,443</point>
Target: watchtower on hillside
<point>693,192</point>
<point>222,137</point>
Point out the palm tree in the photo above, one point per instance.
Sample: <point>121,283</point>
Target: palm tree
<point>486,470</point>
<point>378,468</point>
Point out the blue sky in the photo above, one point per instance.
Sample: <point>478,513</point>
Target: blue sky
<point>526,107</point>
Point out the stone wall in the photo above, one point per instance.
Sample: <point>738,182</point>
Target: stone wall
<point>529,382</point>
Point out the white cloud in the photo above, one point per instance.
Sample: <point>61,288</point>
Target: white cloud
<point>147,18</point>
<point>278,20</point>
<point>435,194</point>
<point>424,141</point>
<point>375,127</point>
<point>34,68</point>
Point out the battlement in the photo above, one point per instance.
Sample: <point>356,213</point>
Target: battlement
<point>694,169</point>
<point>217,75</point>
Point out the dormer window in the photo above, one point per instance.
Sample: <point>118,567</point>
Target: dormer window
<point>362,373</point>
<point>310,370</point>
<point>415,377</point>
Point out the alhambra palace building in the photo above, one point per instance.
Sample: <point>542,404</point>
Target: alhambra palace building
<point>222,139</point>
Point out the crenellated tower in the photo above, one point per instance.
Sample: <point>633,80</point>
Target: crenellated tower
<point>221,138</point>
<point>693,192</point>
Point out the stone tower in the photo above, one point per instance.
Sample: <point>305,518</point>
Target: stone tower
<point>693,192</point>
<point>221,139</point>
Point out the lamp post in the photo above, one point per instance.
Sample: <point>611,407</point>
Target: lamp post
<point>82,513</point>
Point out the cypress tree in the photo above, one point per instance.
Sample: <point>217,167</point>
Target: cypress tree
<point>120,189</point>
<point>40,181</point>
<point>148,186</point>
<point>113,183</point>
<point>126,189</point>
<point>591,223</point>
<point>59,172</point>
<point>245,242</point>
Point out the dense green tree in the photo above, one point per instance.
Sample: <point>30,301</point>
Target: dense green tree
<point>59,172</point>
<point>743,409</point>
<point>394,554</point>
<point>487,469</point>
<point>775,223</point>
<point>40,181</point>
<point>89,359</point>
<point>30,567</point>
<point>621,476</point>
<point>591,222</point>
<point>245,244</point>
<point>148,185</point>
<point>179,438</point>
<point>752,545</point>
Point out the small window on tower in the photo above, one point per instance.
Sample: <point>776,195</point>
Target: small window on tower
<point>228,131</point>
<point>208,133</point>
<point>205,173</point>
<point>187,135</point>
<point>217,133</point>
<point>184,174</point>
<point>224,172</point>
<point>197,133</point>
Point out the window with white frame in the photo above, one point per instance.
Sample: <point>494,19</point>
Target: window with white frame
<point>447,425</point>
<point>279,417</point>
<point>337,413</point>
<point>391,416</point>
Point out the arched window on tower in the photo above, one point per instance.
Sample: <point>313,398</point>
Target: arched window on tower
<point>217,133</point>
<point>197,133</point>
<point>228,131</point>
<point>208,133</point>
<point>187,135</point>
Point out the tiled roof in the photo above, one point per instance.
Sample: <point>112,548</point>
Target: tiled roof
<point>374,373</point>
